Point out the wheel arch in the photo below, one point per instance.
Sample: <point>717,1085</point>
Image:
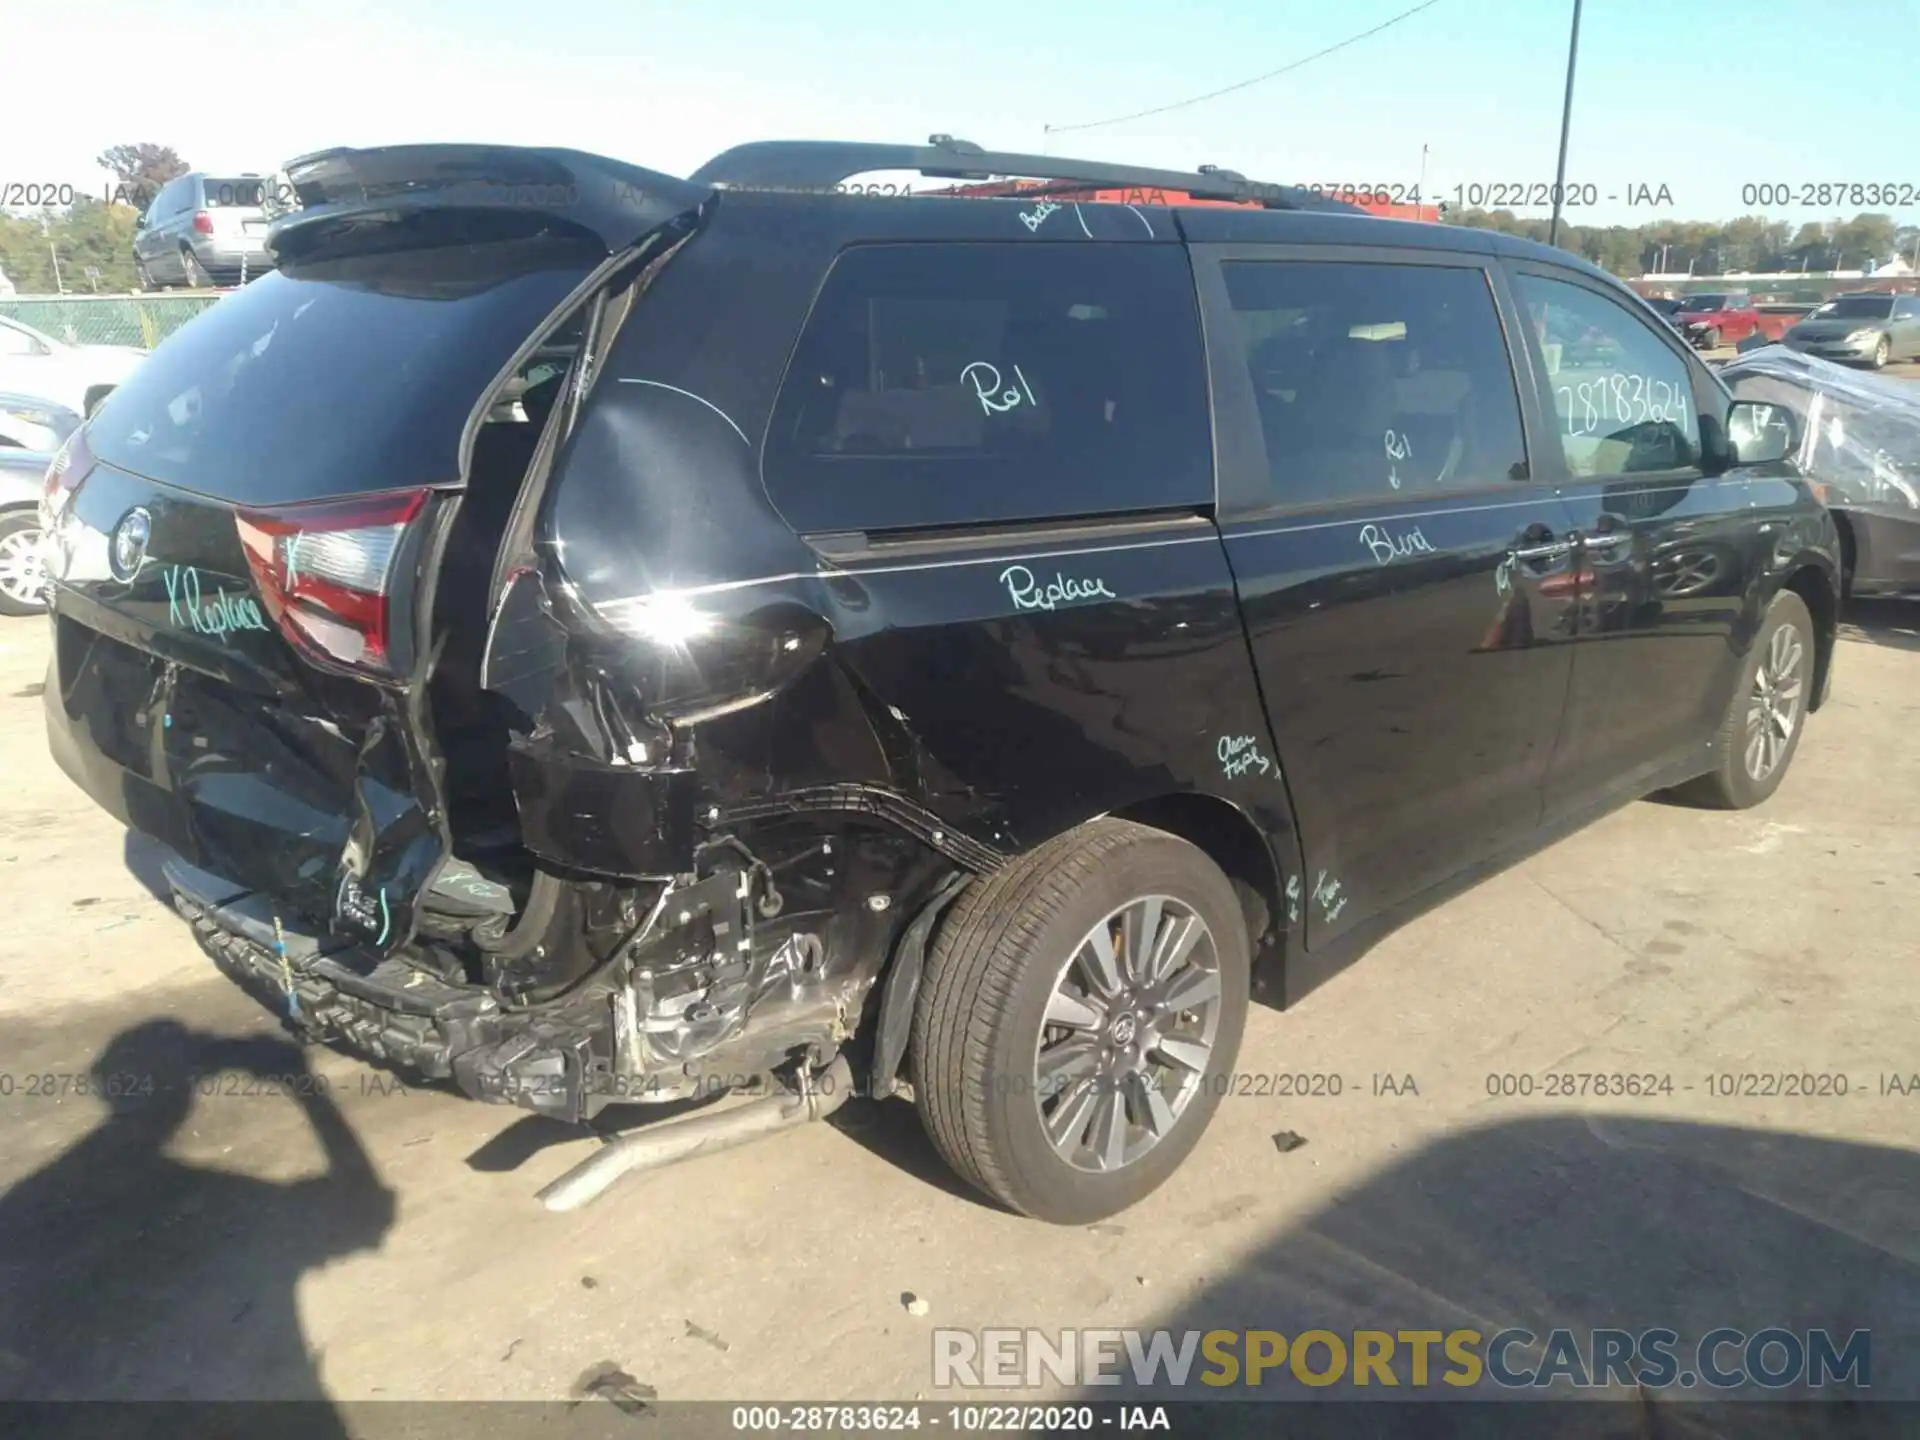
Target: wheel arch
<point>1849,552</point>
<point>1230,838</point>
<point>1815,585</point>
<point>1221,830</point>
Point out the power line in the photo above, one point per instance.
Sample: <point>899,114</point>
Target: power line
<point>1256,80</point>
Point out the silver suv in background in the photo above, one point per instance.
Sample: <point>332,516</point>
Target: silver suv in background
<point>203,229</point>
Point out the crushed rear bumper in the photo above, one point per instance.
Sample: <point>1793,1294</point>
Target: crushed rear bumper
<point>553,1061</point>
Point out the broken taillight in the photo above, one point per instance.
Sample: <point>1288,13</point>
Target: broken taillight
<point>327,573</point>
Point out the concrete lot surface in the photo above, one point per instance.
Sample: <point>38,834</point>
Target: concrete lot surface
<point>348,1239</point>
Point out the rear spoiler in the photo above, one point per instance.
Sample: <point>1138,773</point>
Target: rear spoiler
<point>617,202</point>
<point>824,164</point>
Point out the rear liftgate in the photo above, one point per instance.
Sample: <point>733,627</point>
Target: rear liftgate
<point>312,741</point>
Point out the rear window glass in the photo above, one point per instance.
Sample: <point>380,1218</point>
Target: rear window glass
<point>953,384</point>
<point>246,191</point>
<point>335,377</point>
<point>1856,307</point>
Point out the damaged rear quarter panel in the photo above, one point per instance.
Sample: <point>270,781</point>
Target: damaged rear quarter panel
<point>980,696</point>
<point>865,720</point>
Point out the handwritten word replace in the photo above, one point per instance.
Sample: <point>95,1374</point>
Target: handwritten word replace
<point>220,616</point>
<point>1027,593</point>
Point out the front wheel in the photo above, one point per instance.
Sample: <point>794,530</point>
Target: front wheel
<point>1079,1018</point>
<point>1710,340</point>
<point>1761,731</point>
<point>23,576</point>
<point>1882,353</point>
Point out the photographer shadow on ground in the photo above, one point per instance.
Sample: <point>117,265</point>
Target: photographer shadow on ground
<point>126,1272</point>
<point>1585,1222</point>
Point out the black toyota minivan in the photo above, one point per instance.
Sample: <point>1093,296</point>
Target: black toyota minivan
<point>594,636</point>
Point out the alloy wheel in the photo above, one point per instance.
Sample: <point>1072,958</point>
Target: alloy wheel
<point>1129,1029</point>
<point>23,574</point>
<point>1773,707</point>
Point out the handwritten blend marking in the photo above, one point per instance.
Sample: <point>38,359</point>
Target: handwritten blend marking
<point>1387,546</point>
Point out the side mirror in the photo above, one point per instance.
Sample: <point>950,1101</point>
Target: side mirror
<point>1759,433</point>
<point>140,223</point>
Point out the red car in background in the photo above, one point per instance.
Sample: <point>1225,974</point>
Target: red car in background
<point>1722,318</point>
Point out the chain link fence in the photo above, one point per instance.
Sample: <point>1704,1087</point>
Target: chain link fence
<point>141,320</point>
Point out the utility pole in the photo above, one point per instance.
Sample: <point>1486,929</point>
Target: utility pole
<point>59,285</point>
<point>1566,119</point>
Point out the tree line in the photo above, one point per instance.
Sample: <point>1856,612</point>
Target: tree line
<point>90,243</point>
<point>1748,244</point>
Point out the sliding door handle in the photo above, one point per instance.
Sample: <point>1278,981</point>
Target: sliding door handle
<point>1608,540</point>
<point>1542,552</point>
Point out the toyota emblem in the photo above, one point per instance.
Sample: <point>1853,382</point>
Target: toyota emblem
<point>128,551</point>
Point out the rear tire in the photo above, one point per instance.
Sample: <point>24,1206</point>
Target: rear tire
<point>191,272</point>
<point>1777,679</point>
<point>23,589</point>
<point>1012,1005</point>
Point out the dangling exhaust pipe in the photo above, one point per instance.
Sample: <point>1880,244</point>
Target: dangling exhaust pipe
<point>654,1147</point>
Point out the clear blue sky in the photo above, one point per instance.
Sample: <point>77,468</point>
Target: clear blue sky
<point>1699,95</point>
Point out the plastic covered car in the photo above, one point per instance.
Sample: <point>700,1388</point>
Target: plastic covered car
<point>1859,442</point>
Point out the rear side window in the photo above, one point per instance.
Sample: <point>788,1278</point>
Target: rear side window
<point>951,384</point>
<point>166,202</point>
<point>1376,382</point>
<point>335,377</point>
<point>1622,398</point>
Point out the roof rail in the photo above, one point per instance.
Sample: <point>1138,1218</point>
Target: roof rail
<point>823,164</point>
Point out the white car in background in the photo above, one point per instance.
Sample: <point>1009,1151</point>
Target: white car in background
<point>76,376</point>
<point>31,434</point>
<point>29,423</point>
